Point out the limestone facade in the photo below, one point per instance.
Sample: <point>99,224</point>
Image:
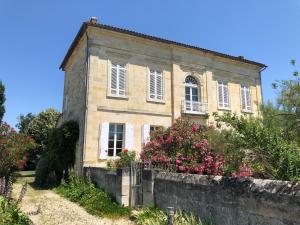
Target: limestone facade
<point>88,98</point>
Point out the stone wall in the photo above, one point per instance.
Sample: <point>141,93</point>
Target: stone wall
<point>115,183</point>
<point>229,201</point>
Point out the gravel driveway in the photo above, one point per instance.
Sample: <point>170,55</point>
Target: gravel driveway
<point>56,210</point>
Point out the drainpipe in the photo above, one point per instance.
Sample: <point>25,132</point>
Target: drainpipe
<point>261,90</point>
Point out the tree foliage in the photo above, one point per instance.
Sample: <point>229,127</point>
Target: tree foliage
<point>13,150</point>
<point>23,122</point>
<point>42,124</point>
<point>288,103</point>
<point>2,100</point>
<point>263,148</point>
<point>59,156</point>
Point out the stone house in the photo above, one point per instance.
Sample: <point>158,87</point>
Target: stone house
<point>120,84</point>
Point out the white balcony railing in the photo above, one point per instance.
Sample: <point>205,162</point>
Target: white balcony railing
<point>191,107</point>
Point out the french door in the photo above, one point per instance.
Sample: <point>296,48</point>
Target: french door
<point>191,98</point>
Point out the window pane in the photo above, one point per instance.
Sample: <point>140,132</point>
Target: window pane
<point>119,144</point>
<point>111,144</point>
<point>119,136</point>
<point>118,150</point>
<point>110,152</point>
<point>195,98</point>
<point>119,128</point>
<point>195,91</point>
<point>111,127</point>
<point>111,136</point>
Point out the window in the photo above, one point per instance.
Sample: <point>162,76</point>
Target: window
<point>155,128</point>
<point>115,139</point>
<point>156,85</point>
<point>118,79</point>
<point>223,94</point>
<point>245,95</point>
<point>191,94</point>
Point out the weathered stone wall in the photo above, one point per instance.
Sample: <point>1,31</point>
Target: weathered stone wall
<point>230,201</point>
<point>74,97</point>
<point>115,183</point>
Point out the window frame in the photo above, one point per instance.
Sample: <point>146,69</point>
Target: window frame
<point>115,139</point>
<point>156,100</point>
<point>223,82</point>
<point>109,78</point>
<point>246,110</point>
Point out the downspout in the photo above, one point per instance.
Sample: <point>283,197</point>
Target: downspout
<point>261,90</point>
<point>86,100</point>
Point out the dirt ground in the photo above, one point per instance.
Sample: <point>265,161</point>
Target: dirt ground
<point>54,209</point>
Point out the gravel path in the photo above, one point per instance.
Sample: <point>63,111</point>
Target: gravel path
<point>56,210</point>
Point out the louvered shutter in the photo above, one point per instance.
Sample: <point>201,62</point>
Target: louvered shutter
<point>152,85</point>
<point>114,79</point>
<point>103,139</point>
<point>122,80</point>
<point>226,95</point>
<point>248,100</point>
<point>243,94</point>
<point>129,136</point>
<point>159,86</point>
<point>220,93</point>
<point>145,133</point>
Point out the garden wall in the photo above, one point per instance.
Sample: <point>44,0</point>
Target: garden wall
<point>228,200</point>
<point>115,183</point>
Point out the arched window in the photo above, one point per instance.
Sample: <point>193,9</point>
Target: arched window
<point>191,94</point>
<point>191,80</point>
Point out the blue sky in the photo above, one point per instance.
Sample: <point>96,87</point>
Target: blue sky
<point>35,36</point>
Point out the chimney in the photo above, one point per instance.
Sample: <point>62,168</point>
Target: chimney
<point>93,20</point>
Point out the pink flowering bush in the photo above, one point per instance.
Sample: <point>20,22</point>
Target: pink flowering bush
<point>13,150</point>
<point>184,144</point>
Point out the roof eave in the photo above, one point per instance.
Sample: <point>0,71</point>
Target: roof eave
<point>124,31</point>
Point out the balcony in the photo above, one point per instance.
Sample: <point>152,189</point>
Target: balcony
<point>191,107</point>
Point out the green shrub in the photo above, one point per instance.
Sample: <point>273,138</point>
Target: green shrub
<point>124,159</point>
<point>151,216</point>
<point>94,200</point>
<point>59,158</point>
<point>265,150</point>
<point>155,216</point>
<point>10,214</point>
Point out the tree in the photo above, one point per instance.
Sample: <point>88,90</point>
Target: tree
<point>13,150</point>
<point>289,104</point>
<point>23,122</point>
<point>42,124</point>
<point>2,100</point>
<point>59,157</point>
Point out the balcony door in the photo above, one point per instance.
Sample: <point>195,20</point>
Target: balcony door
<point>191,94</point>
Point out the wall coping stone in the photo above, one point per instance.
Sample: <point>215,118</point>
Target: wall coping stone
<point>241,185</point>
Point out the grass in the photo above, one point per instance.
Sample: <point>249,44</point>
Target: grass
<point>10,213</point>
<point>95,201</point>
<point>155,216</point>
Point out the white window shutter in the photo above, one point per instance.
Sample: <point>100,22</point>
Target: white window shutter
<point>104,128</point>
<point>122,80</point>
<point>129,136</point>
<point>113,79</point>
<point>248,99</point>
<point>220,93</point>
<point>226,95</point>
<point>159,86</point>
<point>152,85</point>
<point>145,133</point>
